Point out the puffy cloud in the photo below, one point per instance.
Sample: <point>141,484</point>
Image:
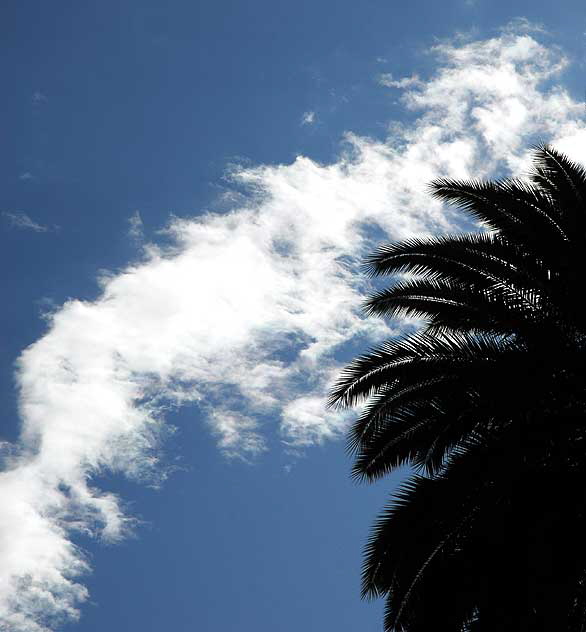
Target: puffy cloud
<point>247,314</point>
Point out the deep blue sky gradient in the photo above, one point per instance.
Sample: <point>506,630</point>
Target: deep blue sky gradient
<point>117,106</point>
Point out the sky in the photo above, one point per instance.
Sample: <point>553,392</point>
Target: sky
<point>188,190</point>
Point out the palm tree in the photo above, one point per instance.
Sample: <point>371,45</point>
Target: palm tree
<point>487,404</point>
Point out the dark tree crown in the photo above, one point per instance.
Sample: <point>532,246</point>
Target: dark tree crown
<point>487,403</point>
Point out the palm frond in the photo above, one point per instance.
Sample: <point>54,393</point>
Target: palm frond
<point>520,213</point>
<point>477,258</point>
<point>415,355</point>
<point>498,307</point>
<point>563,179</point>
<point>486,402</point>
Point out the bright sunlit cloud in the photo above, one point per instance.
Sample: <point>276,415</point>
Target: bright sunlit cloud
<point>244,314</point>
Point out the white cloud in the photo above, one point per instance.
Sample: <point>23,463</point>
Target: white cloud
<point>244,313</point>
<point>237,433</point>
<point>23,221</point>
<point>521,24</point>
<point>386,79</point>
<point>308,118</point>
<point>135,229</point>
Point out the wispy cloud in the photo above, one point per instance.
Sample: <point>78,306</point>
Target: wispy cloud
<point>24,222</point>
<point>39,98</point>
<point>523,25</point>
<point>308,118</point>
<point>245,312</point>
<point>387,80</point>
<point>135,229</point>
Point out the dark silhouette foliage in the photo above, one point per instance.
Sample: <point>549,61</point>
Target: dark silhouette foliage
<point>487,403</point>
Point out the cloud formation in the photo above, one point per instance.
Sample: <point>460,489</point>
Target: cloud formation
<point>386,79</point>
<point>135,226</point>
<point>39,98</point>
<point>245,313</point>
<point>23,221</point>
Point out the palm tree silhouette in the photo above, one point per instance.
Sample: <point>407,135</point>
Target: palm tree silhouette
<point>487,403</point>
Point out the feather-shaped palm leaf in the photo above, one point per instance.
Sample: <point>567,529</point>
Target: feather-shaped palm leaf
<point>487,402</point>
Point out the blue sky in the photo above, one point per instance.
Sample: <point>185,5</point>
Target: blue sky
<point>187,191</point>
